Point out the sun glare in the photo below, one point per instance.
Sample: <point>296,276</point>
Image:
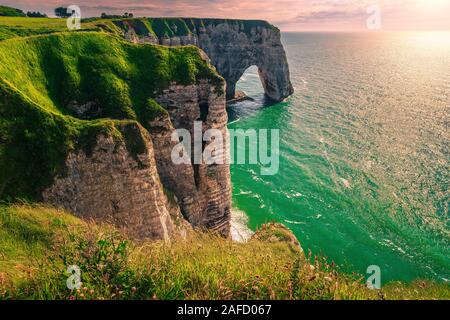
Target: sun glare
<point>433,4</point>
<point>429,39</point>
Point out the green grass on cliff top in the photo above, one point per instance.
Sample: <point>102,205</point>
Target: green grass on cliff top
<point>11,27</point>
<point>37,243</point>
<point>11,12</point>
<point>40,76</point>
<point>170,27</point>
<point>57,70</point>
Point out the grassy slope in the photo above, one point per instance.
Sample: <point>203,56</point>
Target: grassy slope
<point>34,143</point>
<point>36,243</point>
<point>11,27</point>
<point>41,75</point>
<point>57,69</point>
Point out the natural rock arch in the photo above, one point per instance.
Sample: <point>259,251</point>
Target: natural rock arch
<point>232,60</point>
<point>231,45</point>
<point>233,51</point>
<point>244,83</point>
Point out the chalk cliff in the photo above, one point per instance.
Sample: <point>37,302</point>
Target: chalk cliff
<point>203,190</point>
<point>102,147</point>
<point>232,45</point>
<point>87,119</point>
<point>109,184</point>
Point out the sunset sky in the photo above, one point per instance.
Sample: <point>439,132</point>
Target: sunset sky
<point>288,15</point>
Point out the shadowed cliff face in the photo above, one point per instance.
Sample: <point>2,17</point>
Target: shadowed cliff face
<point>232,45</point>
<point>204,190</point>
<point>111,185</point>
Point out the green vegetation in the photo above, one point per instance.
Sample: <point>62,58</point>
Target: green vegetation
<point>37,244</point>
<point>140,26</point>
<point>44,81</point>
<point>11,27</point>
<point>169,27</point>
<point>62,12</point>
<point>34,143</point>
<point>276,233</point>
<point>11,12</point>
<point>58,70</point>
<point>46,76</point>
<point>26,234</point>
<point>36,14</point>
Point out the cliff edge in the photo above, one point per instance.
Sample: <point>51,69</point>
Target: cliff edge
<point>232,45</point>
<point>86,125</point>
<point>87,118</point>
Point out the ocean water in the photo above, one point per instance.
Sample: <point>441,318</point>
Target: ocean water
<point>364,151</point>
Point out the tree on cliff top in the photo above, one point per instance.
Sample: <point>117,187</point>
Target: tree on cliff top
<point>62,12</point>
<point>115,16</point>
<point>36,14</point>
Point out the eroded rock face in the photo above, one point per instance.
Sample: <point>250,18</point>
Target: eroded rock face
<point>115,186</point>
<point>117,167</point>
<point>126,181</point>
<point>232,52</point>
<point>232,48</point>
<point>203,190</point>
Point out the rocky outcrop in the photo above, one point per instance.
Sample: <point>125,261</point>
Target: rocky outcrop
<point>123,184</point>
<point>124,181</point>
<point>117,183</point>
<point>277,232</point>
<point>105,153</point>
<point>232,45</point>
<point>203,190</point>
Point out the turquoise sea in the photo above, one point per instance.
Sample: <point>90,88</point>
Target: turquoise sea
<point>364,151</point>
